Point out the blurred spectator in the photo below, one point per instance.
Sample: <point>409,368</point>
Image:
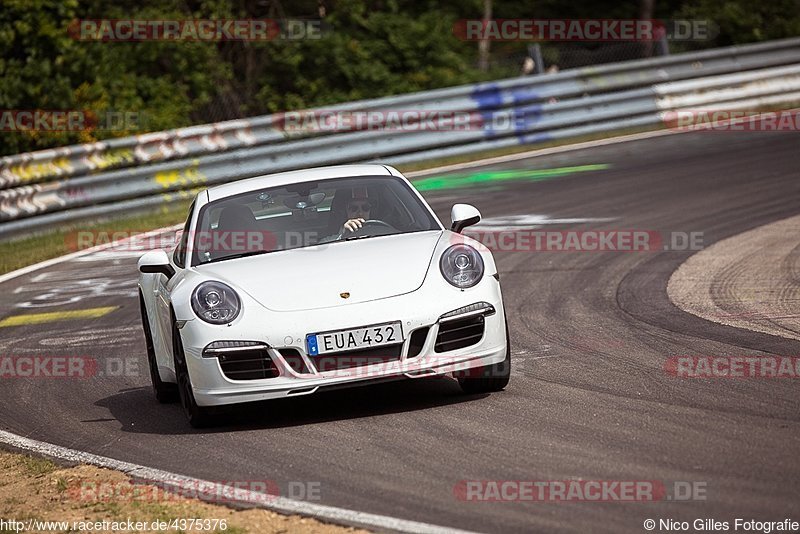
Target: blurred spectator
<point>528,66</point>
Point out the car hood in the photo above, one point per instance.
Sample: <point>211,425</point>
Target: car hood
<point>317,277</point>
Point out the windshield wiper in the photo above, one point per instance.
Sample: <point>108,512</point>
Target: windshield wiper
<point>240,255</point>
<point>353,238</point>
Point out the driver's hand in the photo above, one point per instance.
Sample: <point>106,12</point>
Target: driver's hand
<point>352,225</point>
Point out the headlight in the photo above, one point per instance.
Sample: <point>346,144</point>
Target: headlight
<point>461,266</point>
<point>216,303</point>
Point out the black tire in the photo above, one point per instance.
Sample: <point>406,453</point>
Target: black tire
<point>488,378</point>
<point>165,392</point>
<point>198,416</point>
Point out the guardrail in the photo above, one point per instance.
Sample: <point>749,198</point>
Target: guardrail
<point>79,182</point>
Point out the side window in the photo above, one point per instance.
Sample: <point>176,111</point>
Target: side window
<point>179,256</point>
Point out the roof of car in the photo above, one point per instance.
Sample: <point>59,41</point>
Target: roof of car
<point>290,177</point>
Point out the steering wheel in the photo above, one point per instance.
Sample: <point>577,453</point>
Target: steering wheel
<point>375,223</point>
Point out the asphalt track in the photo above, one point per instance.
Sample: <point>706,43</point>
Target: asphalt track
<point>589,398</point>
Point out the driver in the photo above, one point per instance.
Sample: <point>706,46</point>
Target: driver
<point>356,207</point>
<point>359,207</point>
<point>358,212</point>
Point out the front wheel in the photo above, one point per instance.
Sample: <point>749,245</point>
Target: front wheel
<point>488,378</point>
<point>198,416</point>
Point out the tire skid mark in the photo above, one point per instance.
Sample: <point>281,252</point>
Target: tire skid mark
<point>745,281</point>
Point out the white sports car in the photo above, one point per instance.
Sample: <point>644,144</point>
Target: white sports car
<point>285,284</point>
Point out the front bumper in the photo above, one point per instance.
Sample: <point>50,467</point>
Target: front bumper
<point>287,330</point>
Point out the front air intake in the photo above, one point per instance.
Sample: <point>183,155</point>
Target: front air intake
<point>417,341</point>
<point>294,360</point>
<point>460,333</point>
<point>243,360</point>
<point>357,358</point>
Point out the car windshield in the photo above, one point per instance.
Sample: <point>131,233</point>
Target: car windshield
<point>307,214</point>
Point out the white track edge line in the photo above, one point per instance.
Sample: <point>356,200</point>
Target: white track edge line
<point>261,500</point>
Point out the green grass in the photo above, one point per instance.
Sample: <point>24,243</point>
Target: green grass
<point>37,466</point>
<point>29,250</point>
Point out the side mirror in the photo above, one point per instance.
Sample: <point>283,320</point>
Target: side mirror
<point>156,262</point>
<point>463,215</point>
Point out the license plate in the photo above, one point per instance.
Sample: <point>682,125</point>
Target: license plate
<point>354,339</point>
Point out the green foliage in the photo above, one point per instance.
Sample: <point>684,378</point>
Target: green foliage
<point>44,68</point>
<point>746,21</point>
<point>370,48</point>
<point>366,54</point>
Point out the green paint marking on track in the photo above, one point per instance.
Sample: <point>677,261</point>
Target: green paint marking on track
<point>453,181</point>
